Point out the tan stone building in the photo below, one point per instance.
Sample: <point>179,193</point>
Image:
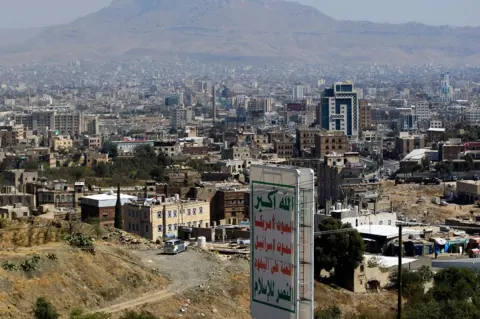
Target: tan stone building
<point>406,143</point>
<point>62,143</point>
<point>154,221</point>
<point>305,140</point>
<point>328,142</point>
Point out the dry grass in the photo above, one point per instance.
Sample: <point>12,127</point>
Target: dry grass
<point>371,305</point>
<point>76,279</point>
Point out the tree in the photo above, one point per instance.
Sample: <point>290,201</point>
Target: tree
<point>44,310</point>
<point>110,148</point>
<point>469,164</point>
<point>455,294</point>
<point>340,251</point>
<point>30,165</point>
<point>426,163</point>
<point>118,223</point>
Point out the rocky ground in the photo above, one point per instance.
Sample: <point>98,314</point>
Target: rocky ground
<point>405,201</point>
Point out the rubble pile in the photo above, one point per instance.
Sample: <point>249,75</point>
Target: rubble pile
<point>132,241</point>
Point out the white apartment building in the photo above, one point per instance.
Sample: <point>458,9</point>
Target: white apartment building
<point>436,124</point>
<point>422,111</point>
<point>298,92</point>
<point>179,117</point>
<point>64,123</point>
<point>472,115</point>
<point>155,220</point>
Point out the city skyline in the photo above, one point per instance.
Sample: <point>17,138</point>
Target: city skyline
<point>435,12</point>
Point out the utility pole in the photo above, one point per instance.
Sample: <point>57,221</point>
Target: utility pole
<point>400,253</point>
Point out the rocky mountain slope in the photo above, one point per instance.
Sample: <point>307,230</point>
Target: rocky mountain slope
<point>244,29</point>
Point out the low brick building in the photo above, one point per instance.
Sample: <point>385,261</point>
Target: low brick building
<point>102,206</point>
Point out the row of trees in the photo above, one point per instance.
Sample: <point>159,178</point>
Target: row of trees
<point>455,294</point>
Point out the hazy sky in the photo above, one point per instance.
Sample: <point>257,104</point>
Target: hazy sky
<point>27,13</point>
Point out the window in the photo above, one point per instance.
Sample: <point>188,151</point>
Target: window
<point>194,211</point>
<point>160,228</point>
<point>206,225</point>
<point>174,226</point>
<point>381,222</point>
<point>169,214</point>
<point>146,228</point>
<point>159,214</point>
<point>169,227</point>
<point>129,226</point>
<point>188,212</point>
<point>175,213</point>
<point>389,222</point>
<point>362,268</point>
<point>194,224</point>
<point>189,224</point>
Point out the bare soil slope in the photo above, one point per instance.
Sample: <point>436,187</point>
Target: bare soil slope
<point>75,279</point>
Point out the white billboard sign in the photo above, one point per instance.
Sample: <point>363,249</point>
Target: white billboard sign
<point>278,287</point>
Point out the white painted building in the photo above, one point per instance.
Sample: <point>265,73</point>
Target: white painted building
<point>356,217</point>
<point>422,111</point>
<point>436,124</point>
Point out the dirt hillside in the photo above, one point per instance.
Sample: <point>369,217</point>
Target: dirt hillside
<point>70,278</point>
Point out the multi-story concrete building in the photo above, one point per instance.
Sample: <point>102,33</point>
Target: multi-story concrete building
<point>305,140</point>
<point>338,110</point>
<point>422,110</point>
<point>336,171</point>
<point>169,148</point>
<point>405,143</point>
<point>178,117</point>
<point>436,124</point>
<point>365,115</point>
<point>298,92</point>
<point>64,123</point>
<point>236,153</point>
<point>62,143</point>
<point>162,219</point>
<point>284,146</point>
<point>93,142</point>
<point>69,123</point>
<point>10,135</point>
<point>331,142</point>
<point>230,205</point>
<point>19,177</point>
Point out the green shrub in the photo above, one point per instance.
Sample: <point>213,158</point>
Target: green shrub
<point>81,241</point>
<point>52,256</point>
<point>80,314</point>
<point>141,315</point>
<point>329,313</point>
<point>8,265</point>
<point>44,310</point>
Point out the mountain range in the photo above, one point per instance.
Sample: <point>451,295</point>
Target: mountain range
<point>238,29</point>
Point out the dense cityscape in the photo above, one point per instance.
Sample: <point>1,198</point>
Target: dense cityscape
<point>150,187</point>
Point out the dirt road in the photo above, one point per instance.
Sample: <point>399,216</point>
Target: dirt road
<point>185,271</point>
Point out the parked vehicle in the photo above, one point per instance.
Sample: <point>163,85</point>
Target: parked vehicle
<point>430,181</point>
<point>174,246</point>
<point>476,177</point>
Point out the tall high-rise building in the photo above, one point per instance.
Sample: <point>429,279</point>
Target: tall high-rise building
<point>298,92</point>
<point>338,109</point>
